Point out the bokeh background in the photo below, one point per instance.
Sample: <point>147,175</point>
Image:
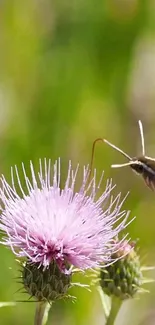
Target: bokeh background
<point>72,71</point>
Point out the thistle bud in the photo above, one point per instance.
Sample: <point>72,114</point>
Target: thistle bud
<point>124,277</point>
<point>45,284</point>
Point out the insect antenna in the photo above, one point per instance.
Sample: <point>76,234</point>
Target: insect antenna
<point>114,147</point>
<point>118,149</point>
<point>130,162</point>
<point>122,152</point>
<point>142,137</point>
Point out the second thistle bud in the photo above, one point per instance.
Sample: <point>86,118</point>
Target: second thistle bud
<point>124,277</point>
<point>45,284</point>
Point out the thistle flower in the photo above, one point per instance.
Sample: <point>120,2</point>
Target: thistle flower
<point>46,223</point>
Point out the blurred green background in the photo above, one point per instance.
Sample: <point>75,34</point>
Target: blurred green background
<point>72,71</point>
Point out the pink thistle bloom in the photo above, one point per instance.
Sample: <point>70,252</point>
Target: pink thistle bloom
<point>46,223</point>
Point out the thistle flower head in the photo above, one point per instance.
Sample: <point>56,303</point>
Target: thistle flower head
<point>43,222</point>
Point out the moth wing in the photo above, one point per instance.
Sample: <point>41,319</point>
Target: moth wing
<point>150,183</point>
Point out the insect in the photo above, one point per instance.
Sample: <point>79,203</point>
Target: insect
<point>142,165</point>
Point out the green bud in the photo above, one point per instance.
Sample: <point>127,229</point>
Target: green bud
<point>123,278</point>
<point>45,284</point>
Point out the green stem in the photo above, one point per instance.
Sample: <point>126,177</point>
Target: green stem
<point>41,314</point>
<point>115,307</point>
<point>105,300</point>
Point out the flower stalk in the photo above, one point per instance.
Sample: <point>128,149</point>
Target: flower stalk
<point>41,314</point>
<point>115,307</point>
